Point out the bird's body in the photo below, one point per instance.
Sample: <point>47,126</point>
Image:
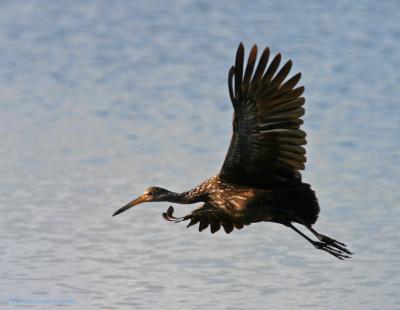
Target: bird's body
<point>260,179</point>
<point>245,205</point>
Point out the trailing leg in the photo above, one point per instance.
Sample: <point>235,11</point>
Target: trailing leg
<point>321,245</point>
<point>325,239</point>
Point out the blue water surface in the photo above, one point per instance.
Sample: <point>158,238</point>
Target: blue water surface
<point>101,99</point>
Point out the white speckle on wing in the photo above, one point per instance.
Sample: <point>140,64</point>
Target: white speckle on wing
<point>234,203</point>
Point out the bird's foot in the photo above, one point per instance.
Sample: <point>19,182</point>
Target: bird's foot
<point>333,250</point>
<point>334,243</point>
<point>169,216</point>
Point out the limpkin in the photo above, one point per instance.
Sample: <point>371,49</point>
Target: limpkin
<point>260,179</point>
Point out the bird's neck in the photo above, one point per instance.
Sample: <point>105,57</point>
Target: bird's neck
<point>187,197</point>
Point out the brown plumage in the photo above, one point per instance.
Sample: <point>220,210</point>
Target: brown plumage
<point>260,179</point>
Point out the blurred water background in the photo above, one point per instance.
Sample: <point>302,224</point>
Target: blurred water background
<point>101,99</point>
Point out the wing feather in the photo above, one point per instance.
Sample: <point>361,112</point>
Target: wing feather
<point>262,64</point>
<point>239,71</point>
<point>249,69</point>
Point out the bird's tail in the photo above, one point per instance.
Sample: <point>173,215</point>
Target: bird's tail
<point>302,201</point>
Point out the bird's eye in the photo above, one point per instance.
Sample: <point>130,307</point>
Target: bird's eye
<point>149,193</point>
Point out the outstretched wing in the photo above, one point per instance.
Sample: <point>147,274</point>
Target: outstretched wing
<point>266,148</point>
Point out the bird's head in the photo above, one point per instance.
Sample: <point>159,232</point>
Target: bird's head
<point>151,194</point>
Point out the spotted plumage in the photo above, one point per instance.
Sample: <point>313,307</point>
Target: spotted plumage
<point>260,179</point>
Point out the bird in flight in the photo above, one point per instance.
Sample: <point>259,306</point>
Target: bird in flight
<point>260,179</point>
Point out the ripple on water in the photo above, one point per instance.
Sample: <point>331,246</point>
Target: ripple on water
<point>101,101</point>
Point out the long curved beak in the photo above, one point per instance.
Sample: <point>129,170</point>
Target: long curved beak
<point>131,204</point>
